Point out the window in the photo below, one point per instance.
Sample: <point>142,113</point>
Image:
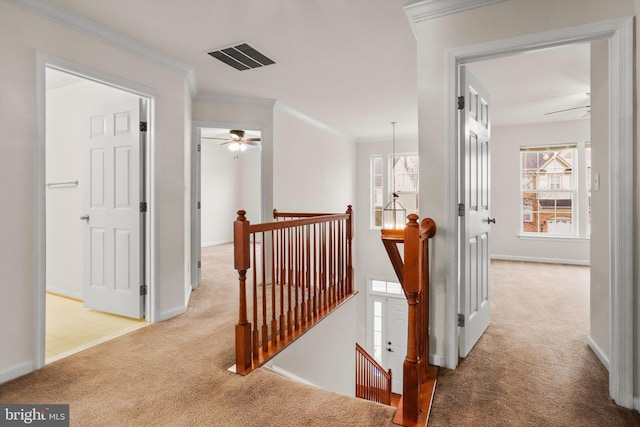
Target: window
<point>382,184</point>
<point>555,190</point>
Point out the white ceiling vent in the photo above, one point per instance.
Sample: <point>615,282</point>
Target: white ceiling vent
<point>241,57</point>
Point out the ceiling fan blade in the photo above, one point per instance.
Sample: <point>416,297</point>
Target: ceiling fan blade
<point>212,137</point>
<point>567,109</point>
<point>252,139</point>
<point>253,143</point>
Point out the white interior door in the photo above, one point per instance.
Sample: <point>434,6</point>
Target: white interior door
<point>113,192</point>
<point>475,219</point>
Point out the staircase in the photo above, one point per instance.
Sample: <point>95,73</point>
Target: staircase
<point>372,382</point>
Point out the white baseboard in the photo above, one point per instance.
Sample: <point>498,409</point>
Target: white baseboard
<point>16,371</point>
<point>215,243</point>
<point>636,403</point>
<point>598,352</point>
<point>172,313</point>
<point>65,292</point>
<point>540,259</point>
<point>288,374</point>
<point>436,359</point>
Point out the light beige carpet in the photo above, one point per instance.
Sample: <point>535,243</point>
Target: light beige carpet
<point>532,367</point>
<point>174,373</point>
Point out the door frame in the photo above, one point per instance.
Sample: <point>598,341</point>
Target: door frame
<point>44,61</point>
<point>620,36</point>
<point>266,177</point>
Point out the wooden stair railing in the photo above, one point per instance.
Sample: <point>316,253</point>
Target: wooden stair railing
<point>412,269</point>
<point>372,382</point>
<point>291,274</point>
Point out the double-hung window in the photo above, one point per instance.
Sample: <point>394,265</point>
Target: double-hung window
<point>555,190</point>
<point>400,175</point>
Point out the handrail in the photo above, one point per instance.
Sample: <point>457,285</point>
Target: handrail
<point>291,274</point>
<point>372,382</point>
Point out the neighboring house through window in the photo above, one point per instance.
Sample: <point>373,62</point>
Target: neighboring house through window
<point>555,188</point>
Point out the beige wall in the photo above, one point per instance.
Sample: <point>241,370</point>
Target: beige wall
<point>496,22</point>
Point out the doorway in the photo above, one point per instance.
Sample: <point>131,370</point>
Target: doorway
<point>619,35</point>
<point>227,177</point>
<point>72,322</point>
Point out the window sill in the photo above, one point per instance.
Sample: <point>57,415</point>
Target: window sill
<point>572,239</point>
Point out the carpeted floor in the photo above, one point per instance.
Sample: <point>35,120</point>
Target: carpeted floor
<point>174,373</point>
<point>532,367</point>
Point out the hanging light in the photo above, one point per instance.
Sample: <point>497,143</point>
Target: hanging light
<point>394,215</point>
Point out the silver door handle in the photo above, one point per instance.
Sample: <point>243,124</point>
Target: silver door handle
<point>84,218</point>
<point>491,220</point>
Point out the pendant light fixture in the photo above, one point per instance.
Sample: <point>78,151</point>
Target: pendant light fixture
<point>394,215</point>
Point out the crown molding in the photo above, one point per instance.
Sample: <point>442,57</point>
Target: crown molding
<point>310,120</point>
<point>234,99</point>
<point>62,16</point>
<point>432,9</point>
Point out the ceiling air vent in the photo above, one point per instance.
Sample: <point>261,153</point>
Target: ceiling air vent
<point>241,57</point>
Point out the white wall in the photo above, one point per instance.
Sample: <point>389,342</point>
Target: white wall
<point>324,355</point>
<point>314,168</point>
<point>435,36</point>
<point>22,36</point>
<point>65,121</point>
<point>505,193</point>
<point>372,261</point>
<point>230,182</point>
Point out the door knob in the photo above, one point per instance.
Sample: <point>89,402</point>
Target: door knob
<point>84,218</point>
<point>389,350</point>
<point>491,220</point>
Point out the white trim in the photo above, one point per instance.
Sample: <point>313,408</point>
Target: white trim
<point>598,352</point>
<point>216,243</point>
<point>16,371</point>
<point>234,100</point>
<point>44,61</point>
<point>288,374</point>
<point>436,359</point>
<point>431,9</point>
<point>280,106</point>
<point>166,315</point>
<point>541,259</point>
<point>619,32</point>
<point>64,293</point>
<point>76,22</point>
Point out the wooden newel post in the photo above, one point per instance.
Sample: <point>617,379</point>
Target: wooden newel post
<point>411,377</point>
<point>242,262</point>
<point>349,250</point>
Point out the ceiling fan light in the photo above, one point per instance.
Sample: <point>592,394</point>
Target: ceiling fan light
<point>235,146</point>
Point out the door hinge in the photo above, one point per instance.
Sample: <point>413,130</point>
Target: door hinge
<point>143,290</point>
<point>198,147</point>
<point>198,205</point>
<point>461,103</point>
<point>143,126</point>
<point>199,264</point>
<point>461,320</point>
<point>143,207</point>
<point>460,209</point>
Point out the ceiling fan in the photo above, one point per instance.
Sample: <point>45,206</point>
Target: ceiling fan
<point>588,107</point>
<point>237,140</point>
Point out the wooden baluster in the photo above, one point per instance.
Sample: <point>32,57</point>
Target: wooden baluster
<point>242,263</point>
<point>296,274</point>
<point>290,241</point>
<point>274,287</point>
<point>411,377</point>
<point>283,278</point>
<point>255,346</point>
<point>265,328</point>
<point>349,250</point>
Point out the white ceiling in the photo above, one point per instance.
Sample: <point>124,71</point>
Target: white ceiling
<point>349,64</point>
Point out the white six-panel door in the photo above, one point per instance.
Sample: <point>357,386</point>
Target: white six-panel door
<point>113,224</point>
<point>475,219</point>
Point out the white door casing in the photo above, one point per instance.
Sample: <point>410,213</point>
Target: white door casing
<point>113,192</point>
<point>394,312</point>
<point>475,219</point>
